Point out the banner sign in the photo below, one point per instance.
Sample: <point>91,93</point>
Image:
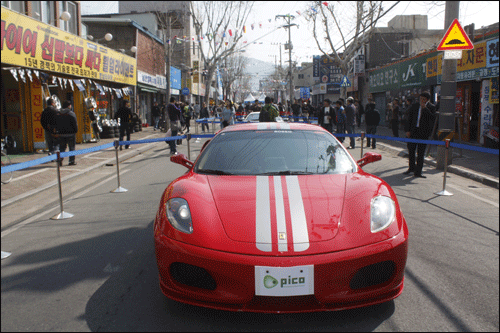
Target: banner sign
<point>175,78</point>
<point>426,70</point>
<point>30,43</point>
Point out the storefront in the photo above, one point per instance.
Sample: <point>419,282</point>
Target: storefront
<point>477,86</point>
<point>39,61</point>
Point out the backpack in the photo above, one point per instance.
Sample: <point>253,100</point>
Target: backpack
<point>271,112</point>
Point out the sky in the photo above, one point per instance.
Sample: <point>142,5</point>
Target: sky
<point>268,36</point>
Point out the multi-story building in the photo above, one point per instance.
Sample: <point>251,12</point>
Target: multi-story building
<point>150,55</point>
<point>173,23</point>
<point>44,54</point>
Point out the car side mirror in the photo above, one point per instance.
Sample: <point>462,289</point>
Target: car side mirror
<point>182,160</point>
<point>369,158</point>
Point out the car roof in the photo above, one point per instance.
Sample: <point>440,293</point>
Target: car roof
<point>273,126</point>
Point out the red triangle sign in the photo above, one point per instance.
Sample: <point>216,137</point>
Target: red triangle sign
<point>455,39</point>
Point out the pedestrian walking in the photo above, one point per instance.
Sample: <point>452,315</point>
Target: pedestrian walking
<point>327,117</point>
<point>176,120</point>
<point>296,110</point>
<point>360,114</point>
<point>350,112</point>
<point>125,115</point>
<point>340,119</point>
<point>188,114</point>
<point>66,129</point>
<point>395,118</point>
<point>155,114</point>
<point>268,112</point>
<point>421,118</point>
<point>48,122</point>
<point>372,120</point>
<point>204,114</point>
<point>197,109</point>
<point>228,114</point>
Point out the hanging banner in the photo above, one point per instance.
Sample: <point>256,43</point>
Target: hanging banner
<point>36,112</point>
<point>30,43</point>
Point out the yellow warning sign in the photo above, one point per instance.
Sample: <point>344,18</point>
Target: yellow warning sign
<point>455,39</point>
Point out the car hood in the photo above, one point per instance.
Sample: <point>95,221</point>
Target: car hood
<point>291,211</point>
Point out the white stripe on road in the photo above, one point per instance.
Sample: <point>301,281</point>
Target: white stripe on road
<point>280,214</point>
<point>298,215</point>
<point>263,215</point>
<point>495,204</point>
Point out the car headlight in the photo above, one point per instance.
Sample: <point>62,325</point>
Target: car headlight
<point>383,213</point>
<point>179,215</point>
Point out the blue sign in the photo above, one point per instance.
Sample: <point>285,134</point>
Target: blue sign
<point>305,93</point>
<point>185,91</point>
<point>175,78</point>
<point>492,53</point>
<point>345,82</point>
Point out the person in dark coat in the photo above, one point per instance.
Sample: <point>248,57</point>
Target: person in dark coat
<point>395,117</point>
<point>327,116</point>
<point>372,119</point>
<point>66,129</point>
<point>155,114</point>
<point>124,114</point>
<point>176,123</point>
<point>419,126</point>
<point>48,122</point>
<point>204,114</point>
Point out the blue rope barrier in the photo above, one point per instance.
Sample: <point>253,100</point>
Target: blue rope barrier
<point>29,164</point>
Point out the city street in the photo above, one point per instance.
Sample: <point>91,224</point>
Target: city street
<point>97,271</point>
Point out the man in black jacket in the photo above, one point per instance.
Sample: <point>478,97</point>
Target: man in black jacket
<point>327,116</point>
<point>420,121</point>
<point>372,119</point>
<point>48,122</point>
<point>124,114</point>
<point>176,123</point>
<point>66,128</point>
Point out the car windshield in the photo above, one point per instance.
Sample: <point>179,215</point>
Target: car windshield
<point>274,152</point>
<point>253,117</point>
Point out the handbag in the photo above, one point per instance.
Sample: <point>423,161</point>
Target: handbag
<point>175,125</point>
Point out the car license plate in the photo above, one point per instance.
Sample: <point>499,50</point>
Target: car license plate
<point>284,281</point>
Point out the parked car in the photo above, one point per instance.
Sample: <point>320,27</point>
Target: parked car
<point>279,217</point>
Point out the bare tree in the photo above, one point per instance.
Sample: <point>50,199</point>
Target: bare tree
<point>220,23</point>
<point>344,19</point>
<point>233,69</point>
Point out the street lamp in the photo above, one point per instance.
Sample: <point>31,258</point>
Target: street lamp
<point>108,37</point>
<point>65,16</point>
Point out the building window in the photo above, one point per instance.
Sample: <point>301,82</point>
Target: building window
<point>44,11</point>
<point>17,6</point>
<point>301,76</point>
<point>71,25</point>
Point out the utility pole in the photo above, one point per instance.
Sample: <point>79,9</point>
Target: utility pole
<point>288,18</point>
<point>448,90</point>
<point>169,59</point>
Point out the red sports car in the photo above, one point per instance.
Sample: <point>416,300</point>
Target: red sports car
<point>278,217</point>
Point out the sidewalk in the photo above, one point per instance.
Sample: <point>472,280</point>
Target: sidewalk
<point>478,166</point>
<point>32,180</point>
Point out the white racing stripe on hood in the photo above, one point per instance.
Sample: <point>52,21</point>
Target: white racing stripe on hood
<point>261,126</point>
<point>284,126</point>
<point>298,215</point>
<point>263,215</point>
<point>263,232</point>
<point>280,214</point>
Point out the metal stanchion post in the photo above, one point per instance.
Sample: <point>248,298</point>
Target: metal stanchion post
<point>444,192</point>
<point>119,189</point>
<point>62,215</point>
<point>362,142</point>
<point>188,138</point>
<point>196,126</point>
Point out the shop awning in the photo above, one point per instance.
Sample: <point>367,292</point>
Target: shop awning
<point>147,88</point>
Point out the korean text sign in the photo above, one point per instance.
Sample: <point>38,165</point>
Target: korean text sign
<point>30,43</point>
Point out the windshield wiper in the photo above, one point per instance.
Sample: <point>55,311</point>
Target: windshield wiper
<point>213,172</point>
<point>285,173</point>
